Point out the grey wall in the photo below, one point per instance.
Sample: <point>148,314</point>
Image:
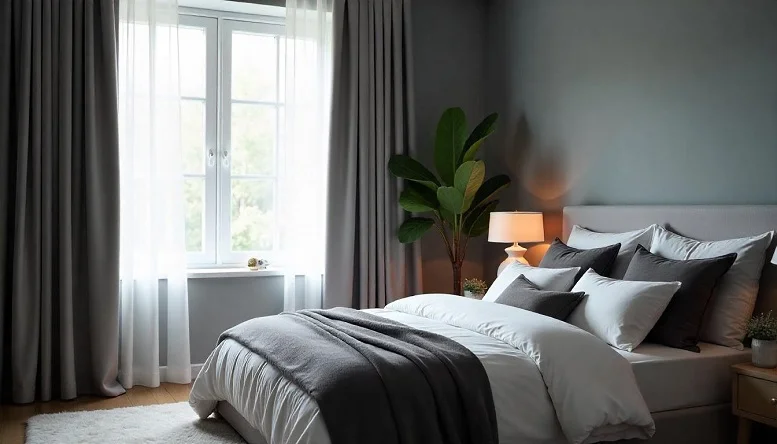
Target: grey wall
<point>449,67</point>
<point>635,102</point>
<point>216,304</point>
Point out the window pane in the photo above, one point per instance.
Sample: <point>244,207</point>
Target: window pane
<point>194,193</point>
<point>254,67</point>
<point>253,139</point>
<point>192,51</point>
<point>253,215</point>
<point>193,136</point>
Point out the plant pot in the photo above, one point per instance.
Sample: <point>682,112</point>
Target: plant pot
<point>764,353</point>
<point>472,295</point>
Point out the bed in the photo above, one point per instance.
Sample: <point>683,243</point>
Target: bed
<point>685,392</point>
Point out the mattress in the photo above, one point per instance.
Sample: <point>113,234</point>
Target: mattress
<point>672,379</point>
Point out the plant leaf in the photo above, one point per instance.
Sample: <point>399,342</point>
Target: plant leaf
<point>406,167</point>
<point>490,188</point>
<point>446,215</point>
<point>478,136</point>
<point>468,179</point>
<point>451,199</point>
<point>449,142</point>
<point>476,221</point>
<point>413,228</point>
<point>417,198</point>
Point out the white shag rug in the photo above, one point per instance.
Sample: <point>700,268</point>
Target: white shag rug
<point>162,423</point>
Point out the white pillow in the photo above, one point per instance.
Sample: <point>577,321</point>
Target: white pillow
<point>620,313</point>
<point>586,239</point>
<point>552,279</point>
<point>734,296</point>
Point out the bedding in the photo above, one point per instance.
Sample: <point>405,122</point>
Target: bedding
<point>375,379</point>
<point>584,238</point>
<point>551,382</point>
<point>671,378</point>
<point>552,279</point>
<point>734,297</point>
<point>600,260</point>
<point>621,313</point>
<point>680,324</point>
<point>522,293</point>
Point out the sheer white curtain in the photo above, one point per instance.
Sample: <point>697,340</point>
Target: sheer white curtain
<point>308,80</point>
<point>152,207</point>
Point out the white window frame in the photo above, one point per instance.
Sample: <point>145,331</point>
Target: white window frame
<point>218,26</point>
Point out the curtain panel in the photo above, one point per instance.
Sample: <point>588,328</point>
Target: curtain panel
<point>59,200</point>
<point>153,246</point>
<point>372,119</point>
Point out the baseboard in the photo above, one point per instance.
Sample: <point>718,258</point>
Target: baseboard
<point>195,371</point>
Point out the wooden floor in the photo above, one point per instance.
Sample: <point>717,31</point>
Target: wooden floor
<point>13,417</point>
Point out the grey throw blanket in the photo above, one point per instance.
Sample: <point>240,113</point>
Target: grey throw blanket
<point>376,380</point>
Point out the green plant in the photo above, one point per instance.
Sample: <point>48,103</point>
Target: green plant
<point>475,286</point>
<point>762,327</point>
<point>459,201</point>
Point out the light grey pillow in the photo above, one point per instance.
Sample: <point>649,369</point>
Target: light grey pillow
<point>734,297</point>
<point>522,293</point>
<point>586,239</point>
<point>621,313</point>
<point>555,279</point>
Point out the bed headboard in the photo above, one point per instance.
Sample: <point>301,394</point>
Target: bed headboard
<point>704,222</point>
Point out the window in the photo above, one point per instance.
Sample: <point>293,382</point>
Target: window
<point>232,124</point>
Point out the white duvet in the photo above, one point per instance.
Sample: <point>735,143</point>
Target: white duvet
<point>551,382</point>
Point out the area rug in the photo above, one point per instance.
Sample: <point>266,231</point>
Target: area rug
<point>162,423</point>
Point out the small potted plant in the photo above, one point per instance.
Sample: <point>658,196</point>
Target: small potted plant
<point>763,330</point>
<point>257,264</point>
<point>475,288</point>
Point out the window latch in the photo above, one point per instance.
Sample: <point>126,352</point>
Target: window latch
<point>225,159</point>
<point>211,159</point>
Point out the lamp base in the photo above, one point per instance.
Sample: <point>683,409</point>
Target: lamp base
<point>515,253</point>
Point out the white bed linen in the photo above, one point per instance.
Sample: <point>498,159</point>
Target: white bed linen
<point>672,379</point>
<point>525,411</point>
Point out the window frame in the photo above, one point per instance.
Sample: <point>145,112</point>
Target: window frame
<point>219,25</point>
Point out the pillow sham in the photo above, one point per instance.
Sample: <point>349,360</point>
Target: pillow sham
<point>584,238</point>
<point>522,293</point>
<point>561,255</point>
<point>681,322</point>
<point>621,313</point>
<point>559,279</point>
<point>734,297</point>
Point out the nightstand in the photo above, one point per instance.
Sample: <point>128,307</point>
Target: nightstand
<point>754,398</point>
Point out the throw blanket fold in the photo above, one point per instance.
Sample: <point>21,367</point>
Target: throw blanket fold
<point>376,380</point>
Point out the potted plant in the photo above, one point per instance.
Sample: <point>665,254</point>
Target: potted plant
<point>475,288</point>
<point>763,330</point>
<point>459,199</point>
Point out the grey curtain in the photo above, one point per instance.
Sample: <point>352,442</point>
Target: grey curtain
<point>59,206</point>
<point>371,119</point>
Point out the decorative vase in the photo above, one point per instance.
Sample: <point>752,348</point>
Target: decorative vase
<point>472,295</point>
<point>764,353</point>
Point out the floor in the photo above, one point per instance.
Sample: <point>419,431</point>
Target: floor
<point>13,417</point>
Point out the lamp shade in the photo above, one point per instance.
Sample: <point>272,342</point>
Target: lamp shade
<point>515,226</point>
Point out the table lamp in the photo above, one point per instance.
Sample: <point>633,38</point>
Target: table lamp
<point>513,227</point>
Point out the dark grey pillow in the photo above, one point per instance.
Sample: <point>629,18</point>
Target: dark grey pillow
<point>561,255</point>
<point>522,293</point>
<point>680,323</point>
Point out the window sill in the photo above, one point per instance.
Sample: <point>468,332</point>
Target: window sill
<point>208,273</point>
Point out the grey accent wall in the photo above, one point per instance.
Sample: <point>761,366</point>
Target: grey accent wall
<point>449,67</point>
<point>635,102</point>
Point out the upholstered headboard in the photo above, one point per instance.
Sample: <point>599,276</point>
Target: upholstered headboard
<point>699,222</point>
